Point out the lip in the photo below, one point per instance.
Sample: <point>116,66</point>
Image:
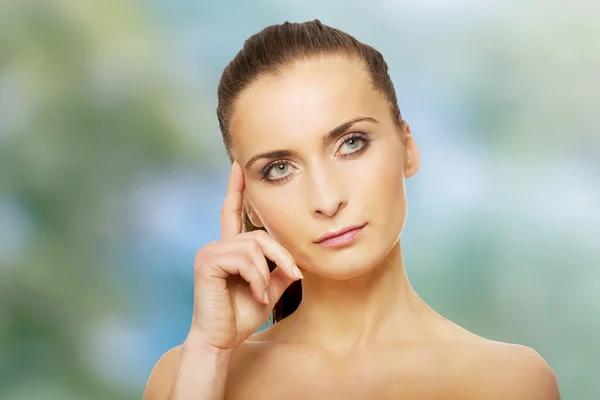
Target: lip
<point>340,236</point>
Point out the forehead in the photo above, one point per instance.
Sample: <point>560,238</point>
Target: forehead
<point>307,99</point>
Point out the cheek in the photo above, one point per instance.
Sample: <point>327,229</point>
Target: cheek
<point>384,176</point>
<point>383,192</point>
<point>275,209</point>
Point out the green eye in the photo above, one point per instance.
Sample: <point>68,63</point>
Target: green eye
<point>276,171</point>
<point>280,171</point>
<point>280,168</point>
<point>352,144</point>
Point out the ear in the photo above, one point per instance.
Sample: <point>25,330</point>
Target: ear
<point>412,156</point>
<point>254,218</point>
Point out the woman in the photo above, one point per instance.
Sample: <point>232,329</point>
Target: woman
<point>310,231</point>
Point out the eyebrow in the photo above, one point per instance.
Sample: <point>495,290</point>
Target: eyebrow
<point>328,137</point>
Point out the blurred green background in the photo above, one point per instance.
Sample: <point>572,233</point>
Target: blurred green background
<point>112,174</point>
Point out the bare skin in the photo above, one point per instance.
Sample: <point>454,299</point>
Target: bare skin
<point>471,369</point>
<point>361,331</point>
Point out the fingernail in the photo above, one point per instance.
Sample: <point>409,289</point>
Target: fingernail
<point>266,296</point>
<point>297,272</point>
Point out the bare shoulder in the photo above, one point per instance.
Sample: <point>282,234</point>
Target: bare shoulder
<point>513,371</point>
<point>499,370</point>
<point>258,347</point>
<point>163,375</point>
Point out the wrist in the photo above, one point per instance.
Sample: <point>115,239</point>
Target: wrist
<point>195,343</point>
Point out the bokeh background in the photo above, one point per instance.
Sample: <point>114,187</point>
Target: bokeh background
<point>112,174</point>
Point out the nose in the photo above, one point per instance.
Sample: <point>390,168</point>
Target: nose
<point>327,193</point>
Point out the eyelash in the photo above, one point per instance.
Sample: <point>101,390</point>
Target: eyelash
<point>354,135</point>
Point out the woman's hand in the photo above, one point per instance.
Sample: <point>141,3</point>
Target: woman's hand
<point>234,292</point>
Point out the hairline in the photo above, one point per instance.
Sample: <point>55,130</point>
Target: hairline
<point>288,66</point>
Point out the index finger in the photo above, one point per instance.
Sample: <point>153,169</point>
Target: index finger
<point>231,213</point>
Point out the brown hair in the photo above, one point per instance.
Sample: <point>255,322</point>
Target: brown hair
<point>267,53</point>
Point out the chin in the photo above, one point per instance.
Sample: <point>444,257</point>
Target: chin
<point>350,262</point>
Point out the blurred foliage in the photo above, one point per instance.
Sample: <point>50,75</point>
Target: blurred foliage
<point>94,103</point>
<point>78,127</point>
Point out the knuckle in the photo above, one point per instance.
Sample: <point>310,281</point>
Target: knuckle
<point>253,245</point>
<point>204,255</point>
<point>246,265</point>
<point>261,234</point>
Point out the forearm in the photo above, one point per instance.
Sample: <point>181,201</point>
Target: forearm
<point>202,372</point>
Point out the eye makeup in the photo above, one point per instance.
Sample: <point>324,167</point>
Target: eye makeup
<point>356,142</point>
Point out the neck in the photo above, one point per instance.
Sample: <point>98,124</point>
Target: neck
<point>379,306</point>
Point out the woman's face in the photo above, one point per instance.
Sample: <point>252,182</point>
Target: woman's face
<point>321,152</point>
